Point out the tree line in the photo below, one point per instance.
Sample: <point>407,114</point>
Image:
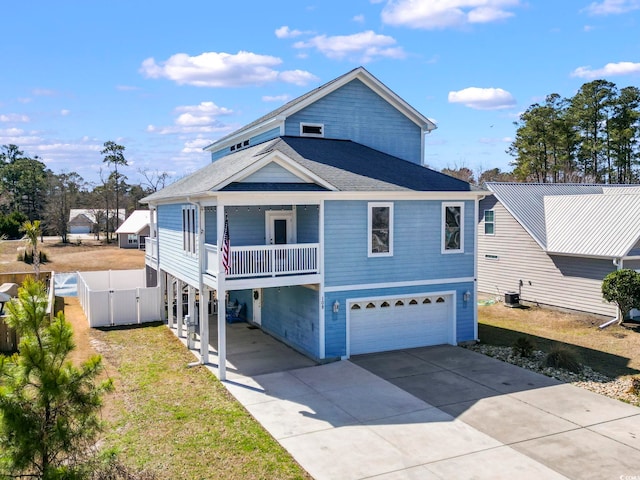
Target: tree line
<point>591,137</point>
<point>31,191</point>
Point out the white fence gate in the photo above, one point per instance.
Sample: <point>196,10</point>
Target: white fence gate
<point>116,297</point>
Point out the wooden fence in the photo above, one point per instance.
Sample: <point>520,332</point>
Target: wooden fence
<point>21,276</point>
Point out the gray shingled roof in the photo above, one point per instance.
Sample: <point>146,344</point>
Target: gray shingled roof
<point>345,165</point>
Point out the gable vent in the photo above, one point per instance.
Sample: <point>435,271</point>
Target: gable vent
<point>312,130</point>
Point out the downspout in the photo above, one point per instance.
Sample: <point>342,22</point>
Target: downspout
<point>475,269</point>
<point>619,264</point>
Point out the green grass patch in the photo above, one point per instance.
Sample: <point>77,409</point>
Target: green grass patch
<point>181,422</point>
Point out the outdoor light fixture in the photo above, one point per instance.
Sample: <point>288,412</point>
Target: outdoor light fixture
<point>467,296</point>
<point>336,306</point>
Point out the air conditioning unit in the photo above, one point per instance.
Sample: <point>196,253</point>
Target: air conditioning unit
<point>511,299</point>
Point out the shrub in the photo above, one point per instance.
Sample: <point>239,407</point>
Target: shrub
<point>562,356</point>
<point>27,257</point>
<point>523,347</point>
<point>635,386</point>
<point>622,287</point>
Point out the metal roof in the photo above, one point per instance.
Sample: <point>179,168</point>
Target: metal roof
<point>342,164</point>
<point>525,201</point>
<point>592,225</point>
<point>136,222</point>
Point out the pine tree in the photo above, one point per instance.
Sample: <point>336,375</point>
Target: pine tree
<point>48,407</point>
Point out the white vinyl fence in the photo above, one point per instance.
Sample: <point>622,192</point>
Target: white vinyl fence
<point>118,297</point>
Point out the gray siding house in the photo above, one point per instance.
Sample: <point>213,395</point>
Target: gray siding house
<point>555,243</point>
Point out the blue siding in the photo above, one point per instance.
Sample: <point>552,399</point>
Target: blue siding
<point>357,113</point>
<point>210,226</point>
<point>336,323</point>
<point>255,140</point>
<point>243,296</point>
<point>292,314</point>
<point>272,173</point>
<point>417,245</point>
<point>173,258</point>
<point>307,224</point>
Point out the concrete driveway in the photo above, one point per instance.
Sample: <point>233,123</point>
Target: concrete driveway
<point>440,413</point>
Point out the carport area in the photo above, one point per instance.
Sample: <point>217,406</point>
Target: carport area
<point>250,351</point>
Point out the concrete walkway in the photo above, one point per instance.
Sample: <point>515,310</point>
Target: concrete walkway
<point>436,413</point>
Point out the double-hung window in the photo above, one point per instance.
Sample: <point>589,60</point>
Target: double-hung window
<point>489,222</point>
<point>452,227</point>
<point>189,229</point>
<point>380,226</point>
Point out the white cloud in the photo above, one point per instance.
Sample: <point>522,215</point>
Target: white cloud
<point>196,145</point>
<point>11,132</point>
<point>13,117</point>
<point>213,69</point>
<point>192,119</point>
<point>612,7</point>
<point>483,98</point>
<point>434,14</point>
<point>495,141</point>
<point>366,46</point>
<point>276,98</point>
<point>609,70</point>
<point>358,18</point>
<point>205,108</point>
<point>298,77</point>
<point>286,32</point>
<point>64,112</point>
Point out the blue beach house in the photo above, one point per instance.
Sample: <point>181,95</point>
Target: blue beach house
<point>341,241</point>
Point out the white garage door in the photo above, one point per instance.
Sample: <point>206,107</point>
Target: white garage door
<point>396,323</point>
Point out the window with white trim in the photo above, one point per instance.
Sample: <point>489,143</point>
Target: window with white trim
<point>312,129</point>
<point>453,227</point>
<point>489,222</point>
<point>380,226</point>
<point>189,228</point>
<point>132,238</point>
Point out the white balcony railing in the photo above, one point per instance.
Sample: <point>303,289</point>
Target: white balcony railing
<point>266,260</point>
<point>211,259</point>
<point>151,248</point>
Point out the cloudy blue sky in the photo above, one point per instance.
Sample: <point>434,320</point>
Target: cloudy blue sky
<point>167,78</point>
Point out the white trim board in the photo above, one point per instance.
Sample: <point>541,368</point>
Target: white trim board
<point>415,283</point>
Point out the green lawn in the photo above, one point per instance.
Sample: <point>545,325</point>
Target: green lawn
<point>180,422</point>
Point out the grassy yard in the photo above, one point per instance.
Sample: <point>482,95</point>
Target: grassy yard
<point>70,257</point>
<point>173,420</point>
<point>613,351</point>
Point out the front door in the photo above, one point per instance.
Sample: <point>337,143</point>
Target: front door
<point>280,227</point>
<point>257,306</point>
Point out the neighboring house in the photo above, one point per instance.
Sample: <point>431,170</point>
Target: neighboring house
<point>85,220</point>
<point>341,241</point>
<point>134,230</point>
<point>554,243</point>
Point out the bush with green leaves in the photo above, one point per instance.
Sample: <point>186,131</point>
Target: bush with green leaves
<point>523,347</point>
<point>563,356</point>
<point>49,408</point>
<point>622,287</point>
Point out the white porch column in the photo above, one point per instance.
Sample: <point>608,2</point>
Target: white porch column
<point>204,292</point>
<point>162,278</point>
<point>222,293</point>
<point>170,296</point>
<point>204,325</point>
<point>191,305</point>
<point>179,307</point>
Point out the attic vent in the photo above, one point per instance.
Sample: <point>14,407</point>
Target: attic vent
<point>312,130</point>
<point>238,146</point>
